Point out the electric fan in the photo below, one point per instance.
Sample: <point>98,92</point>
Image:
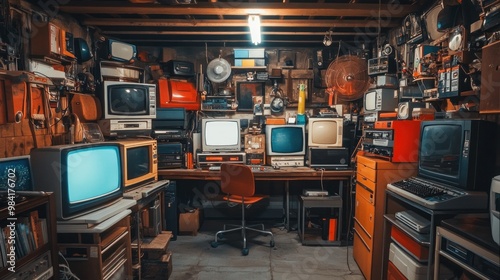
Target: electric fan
<point>218,70</point>
<point>347,78</point>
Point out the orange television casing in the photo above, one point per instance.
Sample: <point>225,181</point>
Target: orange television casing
<point>178,94</point>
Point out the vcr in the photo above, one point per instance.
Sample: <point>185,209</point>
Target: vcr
<point>396,140</point>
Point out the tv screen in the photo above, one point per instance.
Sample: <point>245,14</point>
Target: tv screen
<point>121,51</point>
<point>325,132</point>
<point>16,174</point>
<point>458,152</point>
<point>129,100</point>
<point>83,177</point>
<point>138,162</point>
<point>285,140</point>
<point>221,135</point>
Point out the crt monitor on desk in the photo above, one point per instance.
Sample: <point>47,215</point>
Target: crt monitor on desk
<point>285,140</point>
<point>220,135</point>
<point>325,132</point>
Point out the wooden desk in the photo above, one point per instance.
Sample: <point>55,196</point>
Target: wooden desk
<point>284,174</point>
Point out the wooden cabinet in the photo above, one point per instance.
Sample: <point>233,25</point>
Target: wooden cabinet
<point>372,176</point>
<point>101,251</point>
<point>29,251</point>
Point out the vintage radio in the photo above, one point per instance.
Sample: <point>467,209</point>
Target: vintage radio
<point>52,41</point>
<point>178,68</point>
<point>452,81</point>
<point>255,148</point>
<point>397,141</point>
<point>381,65</point>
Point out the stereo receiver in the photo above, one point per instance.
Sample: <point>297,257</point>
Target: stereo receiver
<point>397,141</point>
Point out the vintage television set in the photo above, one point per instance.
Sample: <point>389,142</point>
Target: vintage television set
<point>110,49</point>
<point>325,132</point>
<point>458,152</point>
<point>139,162</point>
<point>380,100</point>
<point>83,177</point>
<point>15,171</point>
<point>122,100</point>
<point>285,140</point>
<point>220,135</point>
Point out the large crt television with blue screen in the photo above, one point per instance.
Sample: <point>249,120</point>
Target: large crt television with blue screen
<point>458,152</point>
<point>15,174</point>
<point>220,135</point>
<point>83,177</point>
<point>285,140</point>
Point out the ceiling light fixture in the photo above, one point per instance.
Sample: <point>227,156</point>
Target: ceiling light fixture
<point>254,25</point>
<point>327,40</point>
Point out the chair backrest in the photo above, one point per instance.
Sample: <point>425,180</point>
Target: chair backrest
<point>237,179</point>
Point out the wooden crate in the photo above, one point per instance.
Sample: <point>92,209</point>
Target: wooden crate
<point>157,269</point>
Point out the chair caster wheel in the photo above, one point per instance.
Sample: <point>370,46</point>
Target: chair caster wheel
<point>244,251</point>
<point>214,244</point>
<point>271,244</point>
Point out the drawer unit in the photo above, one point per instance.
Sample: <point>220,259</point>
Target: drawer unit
<point>373,175</point>
<point>362,252</point>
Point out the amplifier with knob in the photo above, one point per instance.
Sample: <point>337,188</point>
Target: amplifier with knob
<point>398,141</point>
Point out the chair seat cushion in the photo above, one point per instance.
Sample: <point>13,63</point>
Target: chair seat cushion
<point>248,199</point>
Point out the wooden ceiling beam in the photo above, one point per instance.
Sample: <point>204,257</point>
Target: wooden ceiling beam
<point>242,9</point>
<point>230,33</point>
<point>234,23</point>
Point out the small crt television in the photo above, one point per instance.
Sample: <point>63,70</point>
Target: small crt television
<point>285,140</point>
<point>325,132</point>
<point>220,135</point>
<point>16,174</point>
<point>83,177</point>
<point>111,49</point>
<point>139,161</point>
<point>458,152</point>
<point>380,99</point>
<point>122,100</point>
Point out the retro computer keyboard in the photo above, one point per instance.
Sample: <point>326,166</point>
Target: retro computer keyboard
<point>145,190</point>
<point>438,196</point>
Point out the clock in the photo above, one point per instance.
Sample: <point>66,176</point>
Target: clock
<point>277,104</point>
<point>405,109</point>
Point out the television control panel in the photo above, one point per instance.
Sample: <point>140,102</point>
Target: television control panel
<point>286,161</point>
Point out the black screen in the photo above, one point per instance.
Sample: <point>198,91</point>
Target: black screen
<point>137,162</point>
<point>128,100</point>
<point>441,148</point>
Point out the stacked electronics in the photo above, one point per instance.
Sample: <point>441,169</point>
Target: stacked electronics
<point>383,97</point>
<point>170,130</point>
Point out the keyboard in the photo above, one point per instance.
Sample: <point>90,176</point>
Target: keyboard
<point>438,196</point>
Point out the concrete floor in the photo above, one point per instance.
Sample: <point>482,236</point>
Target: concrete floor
<point>194,258</point>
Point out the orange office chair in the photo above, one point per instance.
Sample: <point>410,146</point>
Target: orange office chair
<point>237,182</point>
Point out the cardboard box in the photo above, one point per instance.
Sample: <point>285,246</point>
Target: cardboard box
<point>189,222</point>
